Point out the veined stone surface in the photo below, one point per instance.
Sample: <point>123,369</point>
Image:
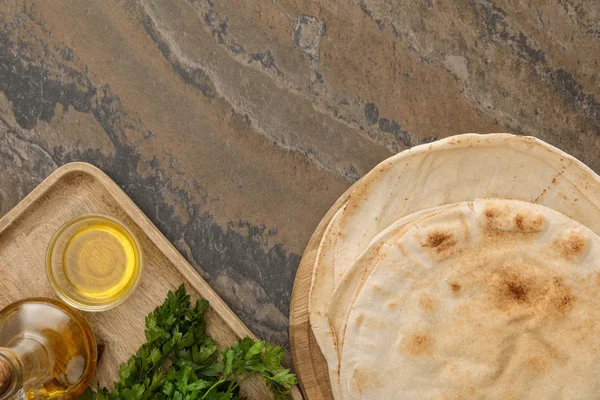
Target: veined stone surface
<point>234,125</point>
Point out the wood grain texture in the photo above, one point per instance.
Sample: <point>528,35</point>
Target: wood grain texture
<point>80,188</point>
<point>309,362</point>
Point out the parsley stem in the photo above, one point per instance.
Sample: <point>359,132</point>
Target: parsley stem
<point>170,366</point>
<point>242,381</point>
<point>217,383</point>
<point>230,387</point>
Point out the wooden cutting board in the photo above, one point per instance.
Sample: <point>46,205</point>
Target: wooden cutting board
<point>309,362</point>
<point>80,188</point>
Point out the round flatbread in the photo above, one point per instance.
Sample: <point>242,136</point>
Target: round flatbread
<point>464,168</point>
<point>455,169</point>
<point>321,287</point>
<point>495,299</point>
<point>338,306</point>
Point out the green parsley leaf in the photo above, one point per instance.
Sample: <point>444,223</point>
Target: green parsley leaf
<point>179,361</point>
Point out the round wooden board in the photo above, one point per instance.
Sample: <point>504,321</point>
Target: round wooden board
<point>309,362</point>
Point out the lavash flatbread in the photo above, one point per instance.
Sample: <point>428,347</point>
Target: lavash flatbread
<point>498,299</point>
<point>459,168</point>
<point>339,304</point>
<point>322,285</point>
<point>455,169</point>
<point>463,168</point>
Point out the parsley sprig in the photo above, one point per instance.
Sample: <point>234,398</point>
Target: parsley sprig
<point>180,361</point>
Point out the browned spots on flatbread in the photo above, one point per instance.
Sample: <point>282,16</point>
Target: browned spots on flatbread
<point>545,296</point>
<point>455,287</point>
<point>536,364</point>
<point>365,380</point>
<point>417,344</point>
<point>428,305</point>
<point>564,302</point>
<point>376,287</point>
<point>514,289</point>
<point>492,214</point>
<point>436,239</point>
<point>360,320</point>
<point>562,299</point>
<point>440,241</point>
<point>571,247</point>
<point>529,224</point>
<point>379,290</point>
<point>540,196</point>
<point>519,222</point>
<point>500,221</point>
<point>392,305</point>
<point>377,248</point>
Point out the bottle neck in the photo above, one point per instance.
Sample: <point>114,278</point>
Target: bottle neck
<point>20,364</point>
<point>7,379</point>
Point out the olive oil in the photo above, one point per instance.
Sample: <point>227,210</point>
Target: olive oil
<point>47,351</point>
<point>94,262</point>
<point>100,261</point>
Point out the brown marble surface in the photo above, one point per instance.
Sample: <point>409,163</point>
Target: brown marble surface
<point>234,124</point>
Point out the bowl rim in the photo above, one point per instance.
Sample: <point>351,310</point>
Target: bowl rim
<point>77,304</point>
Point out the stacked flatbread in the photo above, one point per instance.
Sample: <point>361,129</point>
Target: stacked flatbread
<point>468,268</point>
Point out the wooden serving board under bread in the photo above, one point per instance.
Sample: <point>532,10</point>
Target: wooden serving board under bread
<point>80,188</point>
<point>309,362</point>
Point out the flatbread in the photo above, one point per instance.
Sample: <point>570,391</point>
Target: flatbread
<point>322,285</point>
<point>455,169</point>
<point>495,299</point>
<point>345,293</point>
<point>464,168</point>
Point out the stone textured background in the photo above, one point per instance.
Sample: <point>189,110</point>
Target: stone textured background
<point>235,124</point>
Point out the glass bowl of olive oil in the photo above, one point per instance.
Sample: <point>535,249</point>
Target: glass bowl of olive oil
<point>94,262</point>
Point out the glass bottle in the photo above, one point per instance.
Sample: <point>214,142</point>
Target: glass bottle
<point>47,351</point>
